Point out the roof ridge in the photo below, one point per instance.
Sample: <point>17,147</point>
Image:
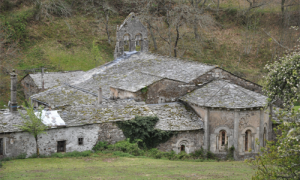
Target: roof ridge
<point>216,92</point>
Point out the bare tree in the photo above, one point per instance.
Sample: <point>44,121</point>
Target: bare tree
<point>48,8</point>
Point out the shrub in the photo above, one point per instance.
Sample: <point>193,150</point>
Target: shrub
<point>230,153</point>
<point>143,128</point>
<point>183,155</point>
<point>170,155</point>
<point>198,154</point>
<point>21,156</point>
<point>210,155</point>
<point>33,156</point>
<point>127,147</point>
<point>100,146</point>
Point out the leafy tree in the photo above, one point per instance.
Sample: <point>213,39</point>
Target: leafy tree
<point>143,128</point>
<point>283,80</point>
<point>32,123</point>
<point>280,159</point>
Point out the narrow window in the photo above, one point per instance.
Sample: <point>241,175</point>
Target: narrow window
<point>61,146</point>
<point>1,146</point>
<point>247,139</point>
<point>80,141</point>
<point>223,138</point>
<point>264,137</point>
<point>182,148</point>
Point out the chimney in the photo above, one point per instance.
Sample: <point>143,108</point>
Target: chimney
<point>99,95</point>
<point>13,104</point>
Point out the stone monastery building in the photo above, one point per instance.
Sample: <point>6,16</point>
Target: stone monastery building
<point>208,106</point>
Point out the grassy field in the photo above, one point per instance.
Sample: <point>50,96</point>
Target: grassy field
<point>108,167</point>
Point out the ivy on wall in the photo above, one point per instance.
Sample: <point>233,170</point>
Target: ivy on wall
<point>143,128</point>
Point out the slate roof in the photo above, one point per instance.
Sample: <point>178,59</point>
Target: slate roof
<point>175,117</point>
<point>53,79</point>
<point>172,116</point>
<point>135,81</point>
<point>223,94</point>
<point>132,74</point>
<point>8,121</point>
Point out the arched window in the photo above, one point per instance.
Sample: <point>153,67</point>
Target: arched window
<point>222,139</point>
<point>247,140</point>
<point>126,44</point>
<point>264,137</point>
<point>138,42</point>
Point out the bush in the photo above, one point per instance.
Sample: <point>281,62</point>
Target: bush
<point>100,146</point>
<point>127,147</point>
<point>210,155</point>
<point>170,155</point>
<point>230,153</point>
<point>21,156</point>
<point>198,154</point>
<point>143,128</point>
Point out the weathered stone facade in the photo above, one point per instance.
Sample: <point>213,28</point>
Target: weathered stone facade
<point>30,88</point>
<point>110,133</point>
<point>191,140</point>
<point>241,129</point>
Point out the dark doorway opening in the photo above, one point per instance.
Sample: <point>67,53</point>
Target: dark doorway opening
<point>182,148</point>
<point>61,146</point>
<point>80,141</point>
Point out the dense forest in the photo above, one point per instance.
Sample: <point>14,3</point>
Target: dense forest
<point>241,36</point>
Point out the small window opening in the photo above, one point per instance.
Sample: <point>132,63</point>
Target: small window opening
<point>247,139</point>
<point>61,146</point>
<point>223,138</point>
<point>1,146</point>
<point>182,148</point>
<point>80,141</point>
<point>264,137</point>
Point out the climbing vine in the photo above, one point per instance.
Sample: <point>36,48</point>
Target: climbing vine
<point>144,128</point>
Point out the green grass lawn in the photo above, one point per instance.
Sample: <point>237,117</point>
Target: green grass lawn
<point>108,167</point>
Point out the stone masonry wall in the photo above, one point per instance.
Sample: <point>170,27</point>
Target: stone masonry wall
<point>110,133</point>
<point>167,90</point>
<point>193,140</point>
<point>29,87</point>
<point>23,142</point>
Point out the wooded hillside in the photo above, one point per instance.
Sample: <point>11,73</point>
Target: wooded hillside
<point>240,36</point>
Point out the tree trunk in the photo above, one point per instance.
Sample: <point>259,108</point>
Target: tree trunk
<point>106,26</point>
<point>176,41</point>
<point>152,36</point>
<point>37,147</point>
<point>196,29</point>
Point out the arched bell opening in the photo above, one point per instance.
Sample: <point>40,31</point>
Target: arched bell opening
<point>139,42</point>
<point>126,42</point>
